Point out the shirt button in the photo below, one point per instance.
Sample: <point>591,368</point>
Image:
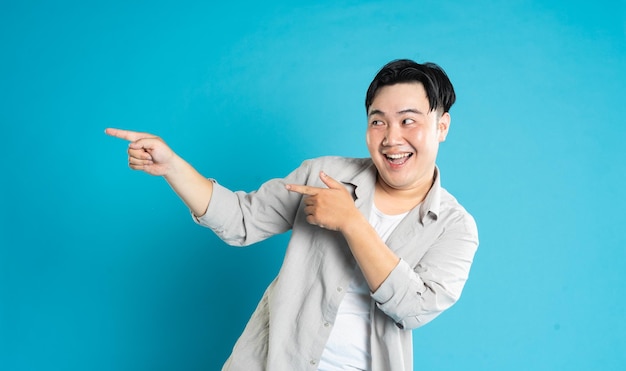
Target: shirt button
<point>313,362</point>
<point>326,324</point>
<point>339,289</point>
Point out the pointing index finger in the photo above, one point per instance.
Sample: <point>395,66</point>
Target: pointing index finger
<point>128,135</point>
<point>302,189</point>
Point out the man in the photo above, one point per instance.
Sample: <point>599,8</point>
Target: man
<point>377,248</point>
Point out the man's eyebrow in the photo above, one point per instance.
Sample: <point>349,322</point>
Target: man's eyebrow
<point>408,110</point>
<point>411,110</point>
<point>376,112</point>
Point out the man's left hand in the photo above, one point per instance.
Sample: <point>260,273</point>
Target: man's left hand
<point>330,208</point>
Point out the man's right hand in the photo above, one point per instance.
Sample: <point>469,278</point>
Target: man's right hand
<point>146,152</point>
<point>149,153</point>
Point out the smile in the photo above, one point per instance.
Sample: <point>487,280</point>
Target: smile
<point>398,158</point>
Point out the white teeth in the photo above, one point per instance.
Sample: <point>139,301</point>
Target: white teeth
<point>398,155</point>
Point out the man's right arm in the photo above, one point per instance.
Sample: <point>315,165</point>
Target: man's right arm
<point>149,153</point>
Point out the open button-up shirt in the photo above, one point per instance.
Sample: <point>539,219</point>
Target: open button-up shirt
<point>288,330</point>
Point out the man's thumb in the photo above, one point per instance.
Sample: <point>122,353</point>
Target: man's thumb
<point>330,182</point>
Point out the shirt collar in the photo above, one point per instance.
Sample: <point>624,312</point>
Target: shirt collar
<point>432,202</point>
<point>364,183</point>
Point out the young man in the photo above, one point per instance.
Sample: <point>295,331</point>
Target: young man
<point>377,248</point>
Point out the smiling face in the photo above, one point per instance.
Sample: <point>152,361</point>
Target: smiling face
<point>403,137</point>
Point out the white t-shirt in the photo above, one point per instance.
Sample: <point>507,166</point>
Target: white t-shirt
<point>348,347</point>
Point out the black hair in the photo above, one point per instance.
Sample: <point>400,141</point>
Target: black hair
<point>437,85</point>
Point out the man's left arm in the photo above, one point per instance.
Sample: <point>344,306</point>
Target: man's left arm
<point>411,296</point>
<point>333,208</point>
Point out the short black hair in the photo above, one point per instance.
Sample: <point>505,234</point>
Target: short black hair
<point>437,85</point>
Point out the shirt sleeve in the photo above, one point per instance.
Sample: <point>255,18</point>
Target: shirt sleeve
<point>243,218</point>
<point>413,296</point>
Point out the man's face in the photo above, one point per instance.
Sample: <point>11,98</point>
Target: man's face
<point>403,136</point>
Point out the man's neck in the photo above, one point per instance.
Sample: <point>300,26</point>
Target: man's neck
<point>394,201</point>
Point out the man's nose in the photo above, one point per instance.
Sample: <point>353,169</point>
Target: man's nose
<point>393,135</point>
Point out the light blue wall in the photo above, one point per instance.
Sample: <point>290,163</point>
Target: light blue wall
<point>101,268</point>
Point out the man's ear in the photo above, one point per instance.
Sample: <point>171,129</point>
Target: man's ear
<point>443,125</point>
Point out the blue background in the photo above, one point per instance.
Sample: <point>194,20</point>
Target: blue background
<point>101,268</point>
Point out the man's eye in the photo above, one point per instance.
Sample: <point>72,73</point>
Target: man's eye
<point>408,121</point>
<point>377,123</point>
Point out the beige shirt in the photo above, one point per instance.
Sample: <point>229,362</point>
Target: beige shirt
<point>288,330</point>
